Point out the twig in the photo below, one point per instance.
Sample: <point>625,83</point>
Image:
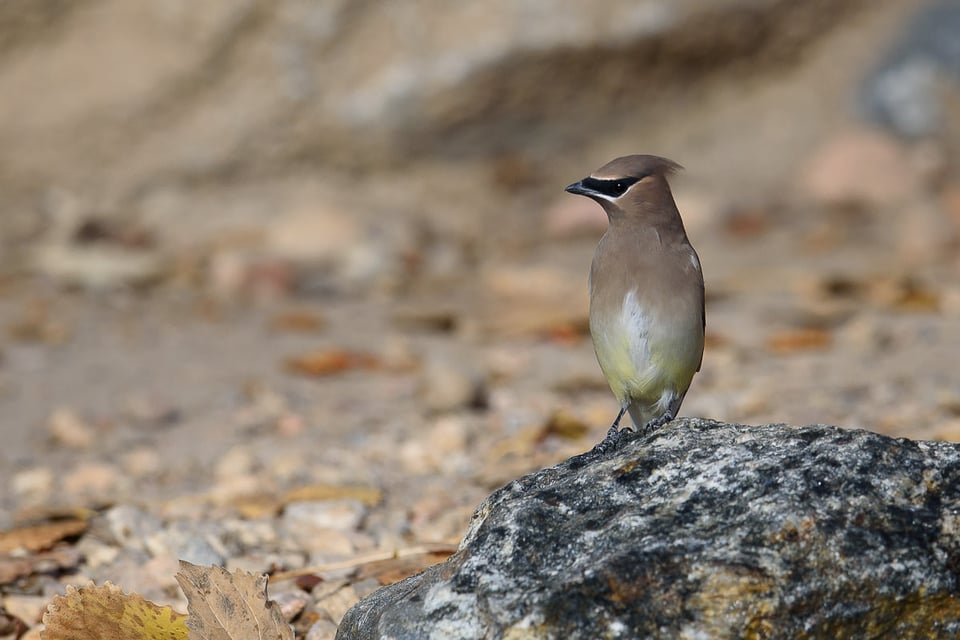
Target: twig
<point>359,561</point>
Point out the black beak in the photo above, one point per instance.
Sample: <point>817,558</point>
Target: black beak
<point>579,189</point>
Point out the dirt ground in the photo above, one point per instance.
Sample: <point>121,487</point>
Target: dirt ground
<point>434,347</point>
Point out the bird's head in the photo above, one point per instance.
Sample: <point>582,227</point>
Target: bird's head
<point>628,183</point>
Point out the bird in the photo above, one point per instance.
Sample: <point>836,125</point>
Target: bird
<point>647,313</point>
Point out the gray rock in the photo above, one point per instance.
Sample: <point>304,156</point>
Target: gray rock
<point>196,542</point>
<point>240,86</point>
<point>127,526</point>
<point>702,530</point>
<point>449,383</point>
<point>907,92</point>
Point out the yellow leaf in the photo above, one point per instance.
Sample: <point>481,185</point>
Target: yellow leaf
<point>93,612</point>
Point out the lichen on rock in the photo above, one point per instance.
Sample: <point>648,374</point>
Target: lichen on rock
<point>702,530</point>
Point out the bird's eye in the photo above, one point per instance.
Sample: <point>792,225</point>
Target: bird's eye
<point>610,188</point>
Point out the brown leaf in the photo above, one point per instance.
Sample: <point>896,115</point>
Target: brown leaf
<point>300,321</point>
<point>230,606</point>
<point>396,569</point>
<point>11,625</point>
<point>38,324</point>
<point>747,223</point>
<point>93,612</point>
<point>42,513</point>
<point>381,561</point>
<point>40,536</point>
<point>329,362</point>
<point>902,294</point>
<point>308,582</point>
<point>797,340</point>
<point>569,333</point>
<point>12,568</point>
<point>917,299</point>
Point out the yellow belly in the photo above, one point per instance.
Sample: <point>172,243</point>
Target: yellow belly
<point>640,365</point>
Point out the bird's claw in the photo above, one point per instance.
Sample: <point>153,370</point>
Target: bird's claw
<point>610,442</point>
<point>656,423</point>
<point>617,437</point>
<point>614,439</point>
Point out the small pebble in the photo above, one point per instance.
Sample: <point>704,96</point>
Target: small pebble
<point>141,462</point>
<point>291,602</point>
<point>198,543</point>
<point>94,480</point>
<point>33,485</point>
<point>97,553</point>
<point>237,461</point>
<point>129,526</point>
<point>67,429</point>
<point>336,604</point>
<point>322,630</point>
<point>448,384</point>
<point>341,515</point>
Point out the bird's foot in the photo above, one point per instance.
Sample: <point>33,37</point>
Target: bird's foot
<point>614,439</point>
<point>656,423</point>
<point>610,441</point>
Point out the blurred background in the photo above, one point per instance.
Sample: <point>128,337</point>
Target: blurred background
<point>250,245</point>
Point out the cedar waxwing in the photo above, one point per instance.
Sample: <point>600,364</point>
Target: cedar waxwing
<point>646,291</point>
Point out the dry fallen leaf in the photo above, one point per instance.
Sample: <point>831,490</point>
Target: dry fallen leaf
<point>93,613</point>
<point>301,321</point>
<point>917,299</point>
<point>62,557</point>
<point>797,340</point>
<point>384,565</point>
<point>747,223</point>
<point>12,567</point>
<point>38,324</point>
<point>397,569</point>
<point>36,537</point>
<point>230,606</point>
<point>329,362</point>
<point>567,333</point>
<point>11,625</point>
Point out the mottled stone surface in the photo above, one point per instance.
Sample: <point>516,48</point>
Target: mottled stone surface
<point>171,90</point>
<point>913,90</point>
<point>703,530</point>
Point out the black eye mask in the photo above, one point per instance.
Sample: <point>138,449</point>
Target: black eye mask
<point>611,188</point>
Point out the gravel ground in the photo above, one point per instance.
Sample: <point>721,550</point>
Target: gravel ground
<point>346,377</point>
